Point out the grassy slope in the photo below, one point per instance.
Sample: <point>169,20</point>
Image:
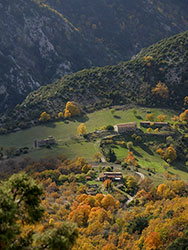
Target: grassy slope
<point>63,131</point>
<point>66,135</point>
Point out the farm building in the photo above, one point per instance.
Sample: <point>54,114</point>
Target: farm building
<point>147,124</point>
<point>113,176</point>
<point>45,142</point>
<point>124,127</point>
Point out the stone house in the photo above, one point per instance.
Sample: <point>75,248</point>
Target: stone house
<point>124,127</point>
<point>113,176</point>
<point>45,142</point>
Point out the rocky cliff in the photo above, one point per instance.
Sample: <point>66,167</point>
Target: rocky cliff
<point>43,40</point>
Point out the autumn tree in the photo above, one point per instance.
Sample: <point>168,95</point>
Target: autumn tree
<point>150,117</point>
<point>20,215</point>
<point>130,159</point>
<point>60,115</point>
<point>131,183</point>
<point>108,202</point>
<point>161,118</point>
<point>161,90</point>
<point>44,117</point>
<point>170,154</point>
<point>186,101</point>
<point>184,116</point>
<point>152,241</point>
<point>82,129</point>
<point>107,184</point>
<point>80,215</point>
<point>160,151</point>
<point>109,246</point>
<point>71,109</point>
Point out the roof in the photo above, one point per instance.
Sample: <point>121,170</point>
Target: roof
<point>124,125</point>
<point>111,173</point>
<point>159,123</point>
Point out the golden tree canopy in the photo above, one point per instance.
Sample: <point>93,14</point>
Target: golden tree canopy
<point>44,117</point>
<point>161,118</point>
<point>150,117</point>
<point>60,115</point>
<point>82,129</point>
<point>161,90</point>
<point>184,116</point>
<point>71,109</point>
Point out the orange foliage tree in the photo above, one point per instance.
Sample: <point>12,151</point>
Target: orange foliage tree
<point>109,246</point>
<point>161,118</point>
<point>107,184</point>
<point>130,159</point>
<point>152,241</point>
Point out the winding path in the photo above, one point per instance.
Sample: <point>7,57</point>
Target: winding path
<point>131,198</point>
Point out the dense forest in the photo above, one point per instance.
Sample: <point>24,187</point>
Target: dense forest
<point>36,218</point>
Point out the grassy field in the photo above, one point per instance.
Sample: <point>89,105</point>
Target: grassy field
<point>65,132</point>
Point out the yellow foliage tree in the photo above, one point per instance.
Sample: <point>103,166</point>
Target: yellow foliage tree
<point>161,118</point>
<point>184,116</point>
<point>71,109</point>
<point>160,151</point>
<point>149,130</point>
<point>82,129</point>
<point>44,117</point>
<point>60,115</point>
<point>186,101</point>
<point>149,117</point>
<point>161,90</point>
<point>67,114</point>
<point>170,154</point>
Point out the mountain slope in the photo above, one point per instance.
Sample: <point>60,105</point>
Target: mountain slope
<point>43,40</point>
<point>125,83</point>
<point>125,26</point>
<point>39,45</point>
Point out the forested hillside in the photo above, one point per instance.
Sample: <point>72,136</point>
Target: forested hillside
<point>43,40</point>
<point>125,26</point>
<point>157,76</point>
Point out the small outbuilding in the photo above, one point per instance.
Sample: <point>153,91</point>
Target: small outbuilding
<point>148,124</point>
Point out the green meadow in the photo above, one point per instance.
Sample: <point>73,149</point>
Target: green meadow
<point>65,132</point>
